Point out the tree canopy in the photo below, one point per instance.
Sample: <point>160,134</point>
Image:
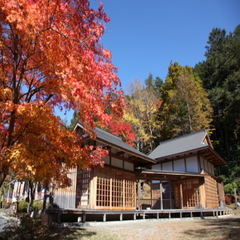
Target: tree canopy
<point>220,73</point>
<point>186,107</point>
<point>51,57</point>
<point>141,112</point>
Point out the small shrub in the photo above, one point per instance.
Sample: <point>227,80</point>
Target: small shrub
<point>6,204</point>
<point>22,206</point>
<point>37,205</point>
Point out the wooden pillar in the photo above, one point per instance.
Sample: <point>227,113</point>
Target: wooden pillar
<point>151,195</point>
<point>123,194</point>
<point>93,190</point>
<point>181,195</point>
<point>110,193</point>
<point>202,191</point>
<point>170,194</point>
<point>161,195</point>
<point>139,194</point>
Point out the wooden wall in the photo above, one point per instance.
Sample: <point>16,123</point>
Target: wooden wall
<point>66,197</point>
<point>212,198</point>
<point>187,164</point>
<point>192,164</point>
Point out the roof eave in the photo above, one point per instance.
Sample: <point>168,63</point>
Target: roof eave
<point>126,150</point>
<point>207,147</point>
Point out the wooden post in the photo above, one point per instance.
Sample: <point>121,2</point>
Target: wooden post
<point>110,193</point>
<point>181,195</point>
<point>170,194</point>
<point>139,193</point>
<point>161,195</point>
<point>93,190</point>
<point>151,195</point>
<point>202,190</point>
<point>123,194</point>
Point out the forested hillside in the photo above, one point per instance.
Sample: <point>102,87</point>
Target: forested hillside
<point>189,99</point>
<point>220,73</point>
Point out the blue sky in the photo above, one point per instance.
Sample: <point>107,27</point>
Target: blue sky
<point>145,36</point>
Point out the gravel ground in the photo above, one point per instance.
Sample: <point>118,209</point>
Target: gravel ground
<point>225,227</point>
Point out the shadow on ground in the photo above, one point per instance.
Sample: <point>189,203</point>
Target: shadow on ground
<point>228,228</point>
<point>71,233</point>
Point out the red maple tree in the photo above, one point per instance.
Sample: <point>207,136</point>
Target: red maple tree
<point>50,56</point>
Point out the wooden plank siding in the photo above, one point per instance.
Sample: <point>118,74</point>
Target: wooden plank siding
<point>66,197</point>
<point>212,198</point>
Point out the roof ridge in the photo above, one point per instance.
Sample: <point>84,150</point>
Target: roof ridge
<point>183,136</point>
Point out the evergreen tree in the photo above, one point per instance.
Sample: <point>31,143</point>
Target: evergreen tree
<point>220,73</point>
<point>154,84</point>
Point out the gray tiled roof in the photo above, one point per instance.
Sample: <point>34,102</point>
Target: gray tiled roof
<point>117,141</point>
<point>179,145</point>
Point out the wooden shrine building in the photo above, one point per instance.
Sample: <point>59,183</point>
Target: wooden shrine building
<point>179,173</point>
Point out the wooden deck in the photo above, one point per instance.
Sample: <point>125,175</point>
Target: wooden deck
<point>104,215</point>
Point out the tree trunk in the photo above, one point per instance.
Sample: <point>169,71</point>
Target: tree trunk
<point>44,198</point>
<point>3,175</point>
<point>31,198</point>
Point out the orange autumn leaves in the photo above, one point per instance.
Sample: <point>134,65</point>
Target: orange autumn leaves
<point>51,57</point>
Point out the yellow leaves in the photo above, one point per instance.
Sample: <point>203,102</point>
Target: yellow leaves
<point>9,106</point>
<point>5,93</point>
